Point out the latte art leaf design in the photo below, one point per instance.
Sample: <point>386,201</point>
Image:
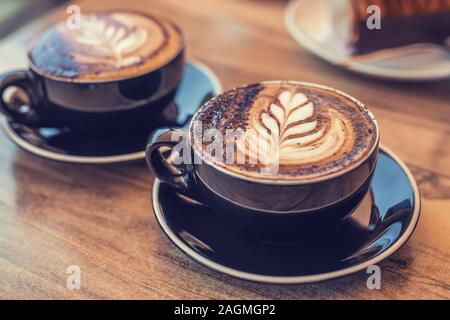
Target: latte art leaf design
<point>288,131</point>
<point>109,43</point>
<point>286,120</point>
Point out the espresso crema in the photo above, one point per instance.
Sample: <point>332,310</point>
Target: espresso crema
<point>106,46</point>
<point>297,131</point>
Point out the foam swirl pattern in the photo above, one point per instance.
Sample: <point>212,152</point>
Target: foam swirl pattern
<point>304,132</point>
<point>107,46</point>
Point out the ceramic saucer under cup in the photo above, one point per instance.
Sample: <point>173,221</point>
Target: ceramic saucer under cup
<point>380,225</point>
<point>198,85</point>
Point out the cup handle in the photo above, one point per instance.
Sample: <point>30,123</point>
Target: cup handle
<point>179,176</point>
<point>26,115</point>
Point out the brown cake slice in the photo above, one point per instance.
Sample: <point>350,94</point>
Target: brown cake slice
<point>403,22</point>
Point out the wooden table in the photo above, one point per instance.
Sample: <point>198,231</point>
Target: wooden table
<point>53,215</point>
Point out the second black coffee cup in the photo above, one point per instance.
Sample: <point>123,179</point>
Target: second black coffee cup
<point>117,70</point>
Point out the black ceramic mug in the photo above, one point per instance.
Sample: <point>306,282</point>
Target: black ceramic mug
<point>277,211</point>
<point>126,102</point>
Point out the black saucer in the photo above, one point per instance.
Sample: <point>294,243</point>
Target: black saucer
<point>379,227</point>
<point>198,85</point>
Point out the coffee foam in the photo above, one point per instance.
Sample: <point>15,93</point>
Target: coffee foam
<point>309,131</point>
<point>108,46</point>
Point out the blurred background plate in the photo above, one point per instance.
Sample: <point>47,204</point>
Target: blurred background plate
<point>324,28</point>
<point>15,13</point>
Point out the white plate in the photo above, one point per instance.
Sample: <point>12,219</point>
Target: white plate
<point>324,28</point>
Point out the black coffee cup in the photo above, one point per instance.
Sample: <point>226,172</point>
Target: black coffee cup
<point>128,103</point>
<point>277,211</point>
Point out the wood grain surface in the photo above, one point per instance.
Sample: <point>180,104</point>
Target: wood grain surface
<point>53,215</point>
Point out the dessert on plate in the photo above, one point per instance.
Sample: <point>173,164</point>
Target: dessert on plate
<point>403,22</point>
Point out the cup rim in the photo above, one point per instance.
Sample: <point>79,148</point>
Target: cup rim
<point>36,38</point>
<point>292,181</point>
